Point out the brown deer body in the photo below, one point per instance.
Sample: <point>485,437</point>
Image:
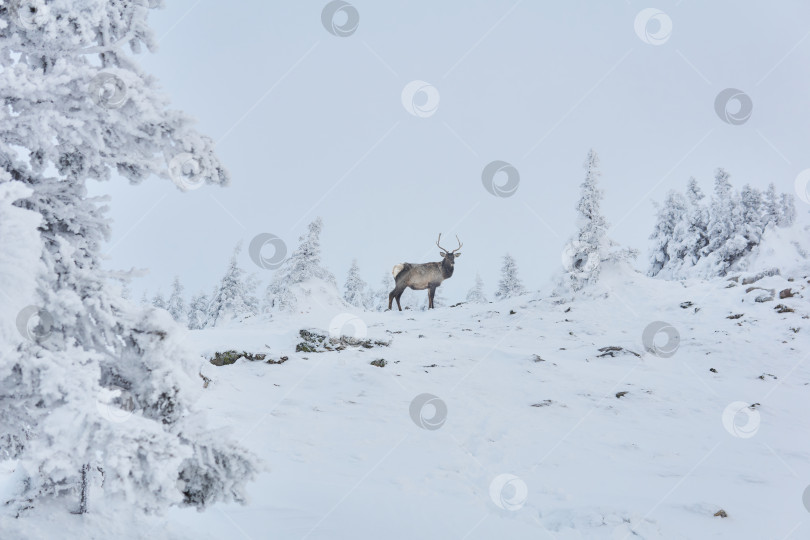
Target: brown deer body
<point>423,276</point>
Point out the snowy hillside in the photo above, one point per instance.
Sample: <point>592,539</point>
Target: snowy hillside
<point>531,389</point>
<point>649,391</point>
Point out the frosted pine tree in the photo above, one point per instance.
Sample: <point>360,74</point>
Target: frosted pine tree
<point>354,291</point>
<point>590,246</point>
<point>159,301</point>
<point>787,211</point>
<point>770,206</point>
<point>176,306</point>
<point>697,235</point>
<point>126,292</point>
<point>751,215</point>
<point>20,264</point>
<point>510,284</point>
<point>233,299</point>
<point>668,234</point>
<point>302,265</point>
<point>198,312</point>
<point>476,294</point>
<point>718,237</point>
<point>727,242</point>
<point>79,108</point>
<point>721,218</point>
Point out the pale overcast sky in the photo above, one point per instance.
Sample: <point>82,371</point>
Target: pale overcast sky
<point>310,123</point>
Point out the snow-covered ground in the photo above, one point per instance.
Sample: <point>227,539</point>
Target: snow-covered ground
<point>526,394</point>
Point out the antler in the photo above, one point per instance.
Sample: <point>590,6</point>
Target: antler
<point>459,245</point>
<point>447,251</point>
<point>437,243</point>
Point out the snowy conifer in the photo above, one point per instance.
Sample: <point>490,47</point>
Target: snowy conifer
<point>233,299</point>
<point>590,246</point>
<point>726,231</point>
<point>302,265</point>
<point>751,215</point>
<point>716,237</point>
<point>176,306</point>
<point>20,264</point>
<point>354,291</point>
<point>787,210</point>
<point>668,235</point>
<point>770,210</point>
<point>81,109</point>
<point>476,294</point>
<point>510,284</point>
<point>697,235</point>
<point>159,301</point>
<point>198,312</point>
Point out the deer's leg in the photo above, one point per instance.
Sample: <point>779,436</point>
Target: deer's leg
<point>391,298</point>
<point>398,297</point>
<point>431,292</point>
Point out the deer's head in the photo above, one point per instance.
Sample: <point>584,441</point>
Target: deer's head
<point>449,256</point>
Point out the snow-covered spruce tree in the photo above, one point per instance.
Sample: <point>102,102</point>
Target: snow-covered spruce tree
<point>158,301</point>
<point>20,263</point>
<point>198,312</point>
<point>787,210</point>
<point>476,294</point>
<point>510,284</point>
<point>751,214</point>
<point>717,238</point>
<point>354,291</point>
<point>176,306</point>
<point>668,239</point>
<point>726,229</point>
<point>126,292</point>
<point>697,234</point>
<point>770,206</point>
<point>590,246</point>
<point>233,299</point>
<point>302,265</point>
<point>78,108</point>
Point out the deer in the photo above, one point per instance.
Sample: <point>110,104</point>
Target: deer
<point>423,276</point>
